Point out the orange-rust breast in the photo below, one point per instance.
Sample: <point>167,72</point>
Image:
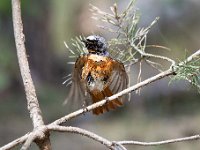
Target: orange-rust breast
<point>97,69</point>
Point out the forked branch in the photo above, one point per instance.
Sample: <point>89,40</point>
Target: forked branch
<point>40,134</point>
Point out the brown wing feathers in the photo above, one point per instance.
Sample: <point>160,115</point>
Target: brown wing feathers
<point>108,106</point>
<point>117,81</point>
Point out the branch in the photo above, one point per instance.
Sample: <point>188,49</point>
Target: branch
<point>102,102</point>
<point>82,132</point>
<point>15,142</point>
<point>33,105</point>
<point>190,58</point>
<point>32,102</point>
<point>40,136</point>
<point>189,138</point>
<point>28,141</point>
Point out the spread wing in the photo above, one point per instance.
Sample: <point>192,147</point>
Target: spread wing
<point>119,79</point>
<point>77,95</point>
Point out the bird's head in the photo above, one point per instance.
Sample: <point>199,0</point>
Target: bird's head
<point>96,44</point>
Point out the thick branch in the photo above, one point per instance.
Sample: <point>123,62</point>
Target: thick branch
<point>33,105</point>
<point>32,102</point>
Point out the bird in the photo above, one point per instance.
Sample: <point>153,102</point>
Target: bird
<point>96,76</point>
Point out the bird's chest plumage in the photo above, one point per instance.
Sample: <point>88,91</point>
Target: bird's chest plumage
<point>96,72</point>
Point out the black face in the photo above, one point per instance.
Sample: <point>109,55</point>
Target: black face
<point>95,44</point>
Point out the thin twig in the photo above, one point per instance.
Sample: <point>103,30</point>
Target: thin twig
<point>191,57</point>
<point>153,56</point>
<point>139,78</point>
<point>154,65</point>
<point>15,142</point>
<point>102,102</point>
<point>82,132</point>
<point>190,138</point>
<point>119,146</point>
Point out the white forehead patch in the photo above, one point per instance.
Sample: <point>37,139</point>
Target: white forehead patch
<point>91,37</point>
<point>97,58</point>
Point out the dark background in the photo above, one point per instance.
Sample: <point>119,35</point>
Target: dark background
<point>161,111</point>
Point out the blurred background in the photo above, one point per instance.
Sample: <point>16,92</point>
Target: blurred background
<point>161,111</point>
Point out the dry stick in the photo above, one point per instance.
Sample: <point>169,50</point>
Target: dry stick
<point>33,105</point>
<point>132,88</point>
<point>194,137</point>
<point>15,142</point>
<point>190,58</point>
<point>32,102</point>
<point>29,140</point>
<point>119,146</point>
<point>82,132</point>
<point>101,139</point>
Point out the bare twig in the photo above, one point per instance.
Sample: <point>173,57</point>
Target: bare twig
<point>40,136</point>
<point>15,142</point>
<point>154,65</point>
<point>28,141</point>
<point>189,138</point>
<point>102,102</point>
<point>191,57</point>
<point>32,102</point>
<point>119,146</point>
<point>82,132</point>
<point>100,139</point>
<point>139,78</point>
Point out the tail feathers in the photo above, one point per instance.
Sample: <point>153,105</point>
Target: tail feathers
<point>108,106</point>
